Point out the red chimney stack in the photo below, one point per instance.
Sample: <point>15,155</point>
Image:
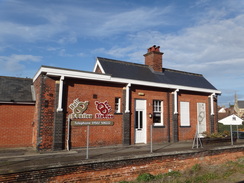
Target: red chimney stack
<point>154,58</point>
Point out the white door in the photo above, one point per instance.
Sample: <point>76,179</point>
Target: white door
<point>140,121</point>
<point>201,118</point>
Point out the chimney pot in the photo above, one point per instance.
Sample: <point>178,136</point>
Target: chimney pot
<point>154,58</point>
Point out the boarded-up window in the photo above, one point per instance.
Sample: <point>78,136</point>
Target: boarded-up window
<point>184,114</point>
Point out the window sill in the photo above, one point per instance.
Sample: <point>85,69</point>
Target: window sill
<point>118,113</point>
<point>158,126</point>
<point>185,126</point>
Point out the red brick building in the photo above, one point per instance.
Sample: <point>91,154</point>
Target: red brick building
<point>121,101</point>
<point>16,112</point>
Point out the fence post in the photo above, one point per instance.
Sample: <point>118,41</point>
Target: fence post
<point>151,138</point>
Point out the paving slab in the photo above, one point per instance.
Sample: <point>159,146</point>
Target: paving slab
<point>26,159</point>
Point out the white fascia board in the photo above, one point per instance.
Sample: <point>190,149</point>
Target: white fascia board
<point>82,76</point>
<point>188,88</point>
<point>162,85</point>
<point>71,73</point>
<point>98,64</point>
<point>37,74</point>
<point>108,78</point>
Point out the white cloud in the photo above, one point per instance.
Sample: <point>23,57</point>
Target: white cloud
<point>213,46</point>
<point>15,63</point>
<point>210,42</point>
<point>131,21</point>
<point>65,23</point>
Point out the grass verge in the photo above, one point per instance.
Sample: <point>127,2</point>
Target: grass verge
<point>232,171</point>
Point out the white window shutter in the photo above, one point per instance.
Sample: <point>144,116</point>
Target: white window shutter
<point>184,114</point>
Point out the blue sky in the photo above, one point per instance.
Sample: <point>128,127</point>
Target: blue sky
<point>200,36</point>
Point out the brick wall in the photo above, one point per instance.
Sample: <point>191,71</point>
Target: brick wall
<point>160,133</point>
<point>128,169</point>
<point>44,112</point>
<point>187,133</point>
<point>16,125</point>
<point>92,91</point>
<point>95,91</point>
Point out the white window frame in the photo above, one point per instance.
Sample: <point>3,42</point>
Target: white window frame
<point>117,104</point>
<point>185,114</point>
<point>158,109</point>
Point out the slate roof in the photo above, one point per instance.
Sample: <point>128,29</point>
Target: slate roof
<point>241,104</point>
<point>14,89</point>
<point>143,72</point>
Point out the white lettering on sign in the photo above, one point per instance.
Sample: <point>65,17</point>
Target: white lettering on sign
<point>104,108</point>
<point>80,116</point>
<point>92,123</point>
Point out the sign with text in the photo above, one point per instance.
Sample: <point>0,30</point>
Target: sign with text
<point>92,123</point>
<point>78,109</point>
<point>104,109</point>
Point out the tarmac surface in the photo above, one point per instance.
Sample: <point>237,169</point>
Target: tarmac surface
<point>26,159</point>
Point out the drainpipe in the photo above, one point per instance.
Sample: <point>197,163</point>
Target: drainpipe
<point>60,96</point>
<point>212,103</point>
<point>176,101</point>
<point>127,106</point>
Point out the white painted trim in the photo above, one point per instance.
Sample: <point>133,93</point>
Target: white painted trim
<point>176,101</point>
<point>71,74</point>
<point>162,114</point>
<point>212,103</point>
<point>162,85</point>
<point>37,74</point>
<point>108,78</point>
<point>60,94</point>
<point>98,64</point>
<point>127,98</point>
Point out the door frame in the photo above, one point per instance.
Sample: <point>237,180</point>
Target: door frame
<point>141,107</point>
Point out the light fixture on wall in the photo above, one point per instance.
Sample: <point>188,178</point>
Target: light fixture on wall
<point>141,94</point>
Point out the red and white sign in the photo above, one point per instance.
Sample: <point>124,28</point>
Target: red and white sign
<point>104,109</point>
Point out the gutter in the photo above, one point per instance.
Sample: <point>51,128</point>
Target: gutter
<point>59,72</point>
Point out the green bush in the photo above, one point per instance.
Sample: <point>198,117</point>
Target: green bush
<point>196,167</point>
<point>173,174</point>
<point>205,178</point>
<point>145,177</point>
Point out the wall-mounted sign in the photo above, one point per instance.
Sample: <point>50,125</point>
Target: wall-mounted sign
<point>92,123</point>
<point>78,109</point>
<point>104,108</point>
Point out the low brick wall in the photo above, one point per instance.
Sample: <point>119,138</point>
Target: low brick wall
<point>125,169</point>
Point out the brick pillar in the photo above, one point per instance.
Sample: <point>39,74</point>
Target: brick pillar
<point>46,113</point>
<point>168,116</point>
<point>58,130</point>
<point>39,102</point>
<point>126,123</point>
<point>175,124</point>
<point>175,128</point>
